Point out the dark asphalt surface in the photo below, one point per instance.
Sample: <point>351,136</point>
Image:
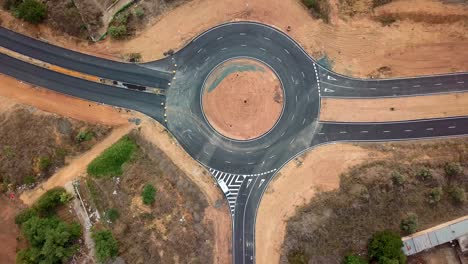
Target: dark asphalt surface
<point>297,130</point>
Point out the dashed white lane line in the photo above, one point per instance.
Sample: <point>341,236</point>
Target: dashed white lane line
<point>242,34</point>
<point>317,79</point>
<point>437,84</point>
<point>272,156</point>
<point>292,118</point>
<point>199,50</point>
<point>262,49</point>
<point>243,45</point>
<point>224,49</point>
<point>416,85</point>
<point>278,59</point>
<point>303,121</point>
<point>372,88</point>
<point>292,141</point>
<point>408,130</point>
<point>429,128</point>
<point>207,58</point>
<point>320,133</point>
<point>451,127</point>
<point>387,131</point>
<point>227,161</point>
<point>460,82</point>
<point>343,132</point>
<point>285,50</point>
<point>395,87</point>
<point>364,131</point>
<point>296,98</point>
<point>266,38</point>
<point>219,38</point>
<point>303,75</point>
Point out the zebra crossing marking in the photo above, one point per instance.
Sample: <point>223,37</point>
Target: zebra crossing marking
<point>234,182</point>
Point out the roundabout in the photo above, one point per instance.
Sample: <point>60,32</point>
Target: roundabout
<point>242,99</point>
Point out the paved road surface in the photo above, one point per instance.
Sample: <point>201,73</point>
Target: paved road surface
<point>246,166</point>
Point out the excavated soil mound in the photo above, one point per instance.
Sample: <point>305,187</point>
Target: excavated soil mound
<point>242,99</point>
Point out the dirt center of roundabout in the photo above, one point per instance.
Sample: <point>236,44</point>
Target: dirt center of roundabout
<point>242,99</point>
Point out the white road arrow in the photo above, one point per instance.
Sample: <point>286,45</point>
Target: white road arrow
<point>330,78</point>
<point>248,183</point>
<point>328,90</point>
<point>261,182</point>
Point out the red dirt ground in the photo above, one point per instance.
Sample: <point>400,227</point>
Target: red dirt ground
<point>245,104</point>
<point>8,231</point>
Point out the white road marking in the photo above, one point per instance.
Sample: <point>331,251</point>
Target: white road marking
<point>266,38</point>
<point>243,45</point>
<point>408,130</point>
<point>285,50</point>
<point>417,85</point>
<point>303,121</point>
<point>250,163</point>
<point>387,131</point>
<point>205,152</point>
<point>248,182</point>
<point>303,75</point>
<point>278,59</point>
<point>326,90</point>
<point>364,131</point>
<point>343,132</point>
<point>452,127</point>
<point>272,156</point>
<point>437,84</point>
<point>261,182</point>
<point>330,78</point>
<point>227,161</point>
<point>292,118</point>
<point>292,141</point>
<point>242,34</point>
<point>262,49</point>
<point>430,128</point>
<point>282,134</point>
<point>296,98</point>
<point>199,50</point>
<point>219,38</point>
<point>372,88</point>
<point>395,87</point>
<point>224,49</point>
<point>207,58</point>
<point>460,82</point>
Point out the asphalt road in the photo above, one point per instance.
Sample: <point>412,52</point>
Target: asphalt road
<point>246,166</point>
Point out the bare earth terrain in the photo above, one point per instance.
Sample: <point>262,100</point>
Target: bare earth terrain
<point>394,109</point>
<point>8,230</point>
<point>242,99</point>
<point>358,45</point>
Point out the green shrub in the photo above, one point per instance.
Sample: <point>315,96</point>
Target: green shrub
<point>50,239</point>
<point>353,259</point>
<point>106,245</point>
<point>139,12</point>
<point>319,8</point>
<point>298,256</point>
<point>121,18</point>
<point>29,180</point>
<point>84,136</point>
<point>148,194</point>
<point>435,195</point>
<point>31,10</point>
<point>132,57</point>
<point>398,179</point>
<point>118,32</point>
<point>385,247</point>
<point>376,3</point>
<point>458,194</point>
<point>47,203</point>
<point>44,163</point>
<point>112,214</point>
<point>453,169</point>
<point>110,162</point>
<point>425,174</point>
<point>409,225</point>
<point>25,215</point>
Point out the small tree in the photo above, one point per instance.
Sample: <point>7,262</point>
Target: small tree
<point>112,214</point>
<point>118,32</point>
<point>385,247</point>
<point>425,174</point>
<point>458,194</point>
<point>106,245</point>
<point>435,195</point>
<point>31,10</point>
<point>139,12</point>
<point>409,225</point>
<point>353,259</point>
<point>148,194</point>
<point>453,169</point>
<point>397,178</point>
